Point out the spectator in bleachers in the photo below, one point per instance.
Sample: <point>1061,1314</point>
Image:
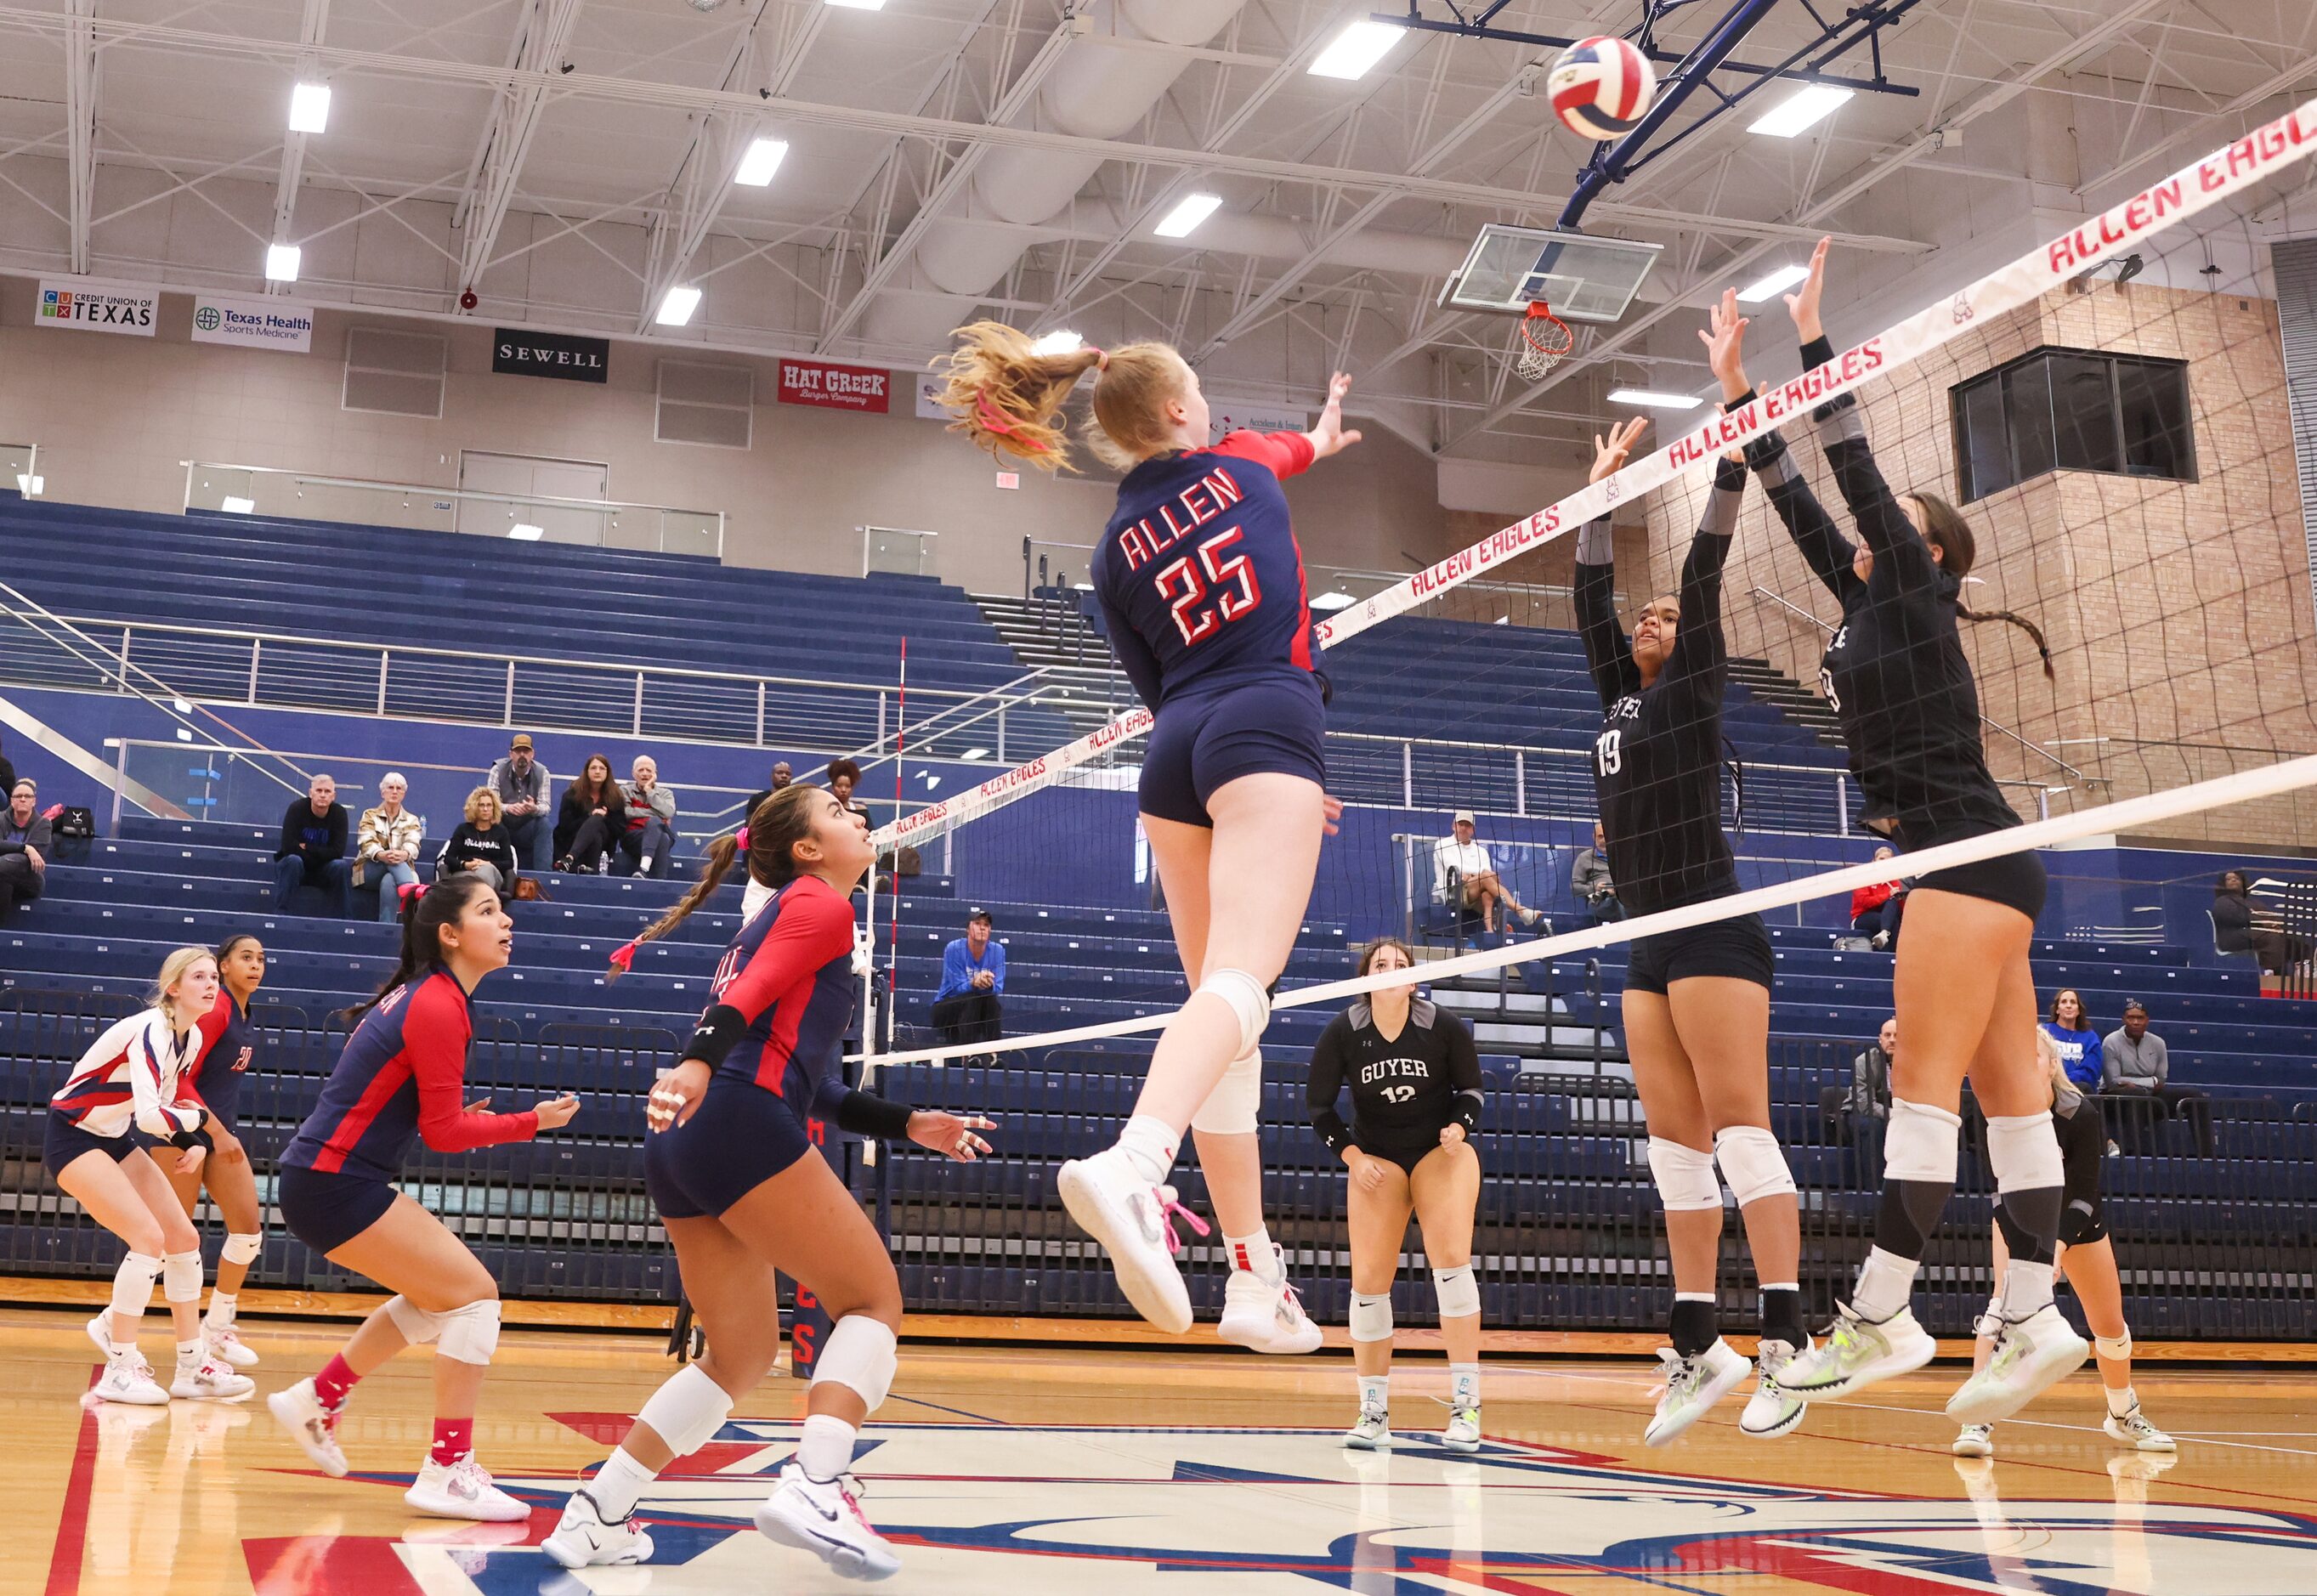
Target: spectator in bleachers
<point>24,845</point>
<point>1588,880</point>
<point>522,783</point>
<point>1875,911</point>
<point>844,776</point>
<point>593,814</point>
<point>2070,1030</point>
<point>1867,1098</point>
<point>782,777</point>
<point>312,848</point>
<point>2241,926</point>
<point>386,846</point>
<point>649,844</point>
<point>2133,1065</point>
<point>483,846</point>
<point>967,1007</point>
<point>1462,875</point>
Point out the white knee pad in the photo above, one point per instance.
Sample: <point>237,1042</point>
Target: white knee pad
<point>1752,1163</point>
<point>2025,1152</point>
<point>133,1283</point>
<point>859,1355</point>
<point>1458,1292</point>
<point>418,1326</point>
<point>1235,1107</point>
<point>688,1410</point>
<point>1684,1176</point>
<point>1921,1143</point>
<point>470,1335</point>
<point>2117,1348</point>
<point>1247,1000</point>
<point>181,1276</point>
<point>242,1249</point>
<point>1371,1316</point>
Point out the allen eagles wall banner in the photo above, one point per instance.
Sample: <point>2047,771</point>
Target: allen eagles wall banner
<point>828,387</point>
<point>560,355</point>
<point>86,305</point>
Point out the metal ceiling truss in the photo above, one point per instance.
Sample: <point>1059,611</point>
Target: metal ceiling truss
<point>293,143</point>
<point>80,125</point>
<point>538,57</point>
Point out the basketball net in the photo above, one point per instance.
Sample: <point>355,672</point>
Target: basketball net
<point>1545,338</point>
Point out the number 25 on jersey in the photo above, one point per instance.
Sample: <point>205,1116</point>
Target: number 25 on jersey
<point>1208,572</point>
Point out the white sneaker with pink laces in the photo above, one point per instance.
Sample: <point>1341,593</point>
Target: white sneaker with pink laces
<point>227,1343</point>
<point>824,1517</point>
<point>463,1490</point>
<point>311,1423</point>
<point>1133,1219</point>
<point>1265,1315</point>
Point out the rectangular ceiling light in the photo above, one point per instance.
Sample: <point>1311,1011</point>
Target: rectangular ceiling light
<point>764,158</point>
<point>1654,399</point>
<point>860,5</point>
<point>1804,109</point>
<point>1188,213</point>
<point>525,532</point>
<point>1336,599</point>
<point>1355,51</point>
<point>282,263</point>
<point>236,506</point>
<point>1776,283</point>
<point>676,309</point>
<point>309,108</point>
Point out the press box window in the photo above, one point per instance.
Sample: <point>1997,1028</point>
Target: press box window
<point>2072,410</point>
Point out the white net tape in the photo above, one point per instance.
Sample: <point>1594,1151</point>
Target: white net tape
<point>2253,160</point>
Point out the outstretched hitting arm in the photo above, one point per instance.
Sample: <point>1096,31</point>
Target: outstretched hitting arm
<point>1608,653</point>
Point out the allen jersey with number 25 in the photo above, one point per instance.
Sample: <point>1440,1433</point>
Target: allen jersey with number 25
<point>1198,573</point>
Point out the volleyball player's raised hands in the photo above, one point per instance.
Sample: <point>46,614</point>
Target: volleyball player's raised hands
<point>1725,337</point>
<point>1802,303</point>
<point>1329,437</point>
<point>1610,453</point>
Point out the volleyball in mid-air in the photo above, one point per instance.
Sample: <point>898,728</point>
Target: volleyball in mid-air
<point>1601,88</point>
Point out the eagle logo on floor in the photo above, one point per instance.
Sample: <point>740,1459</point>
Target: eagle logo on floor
<point>1004,1510</point>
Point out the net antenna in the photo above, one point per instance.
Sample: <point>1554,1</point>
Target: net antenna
<point>1543,339</point>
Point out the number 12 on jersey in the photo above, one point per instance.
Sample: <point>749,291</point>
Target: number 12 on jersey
<point>1186,584</point>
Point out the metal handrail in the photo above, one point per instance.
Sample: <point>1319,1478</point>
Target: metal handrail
<point>601,507</point>
<point>1984,718</point>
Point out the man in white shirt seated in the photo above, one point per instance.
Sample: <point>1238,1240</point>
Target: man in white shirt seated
<point>1462,876</point>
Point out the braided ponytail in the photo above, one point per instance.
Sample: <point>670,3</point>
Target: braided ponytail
<point>1945,526</point>
<point>771,836</point>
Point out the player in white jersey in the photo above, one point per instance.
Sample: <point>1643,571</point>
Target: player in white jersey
<point>138,1076</point>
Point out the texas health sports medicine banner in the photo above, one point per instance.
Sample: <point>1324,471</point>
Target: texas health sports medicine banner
<point>86,305</point>
<point>253,324</point>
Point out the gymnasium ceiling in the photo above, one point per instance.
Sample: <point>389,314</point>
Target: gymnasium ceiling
<point>567,160</point>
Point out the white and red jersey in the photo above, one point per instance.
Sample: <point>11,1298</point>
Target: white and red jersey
<point>140,1071</point>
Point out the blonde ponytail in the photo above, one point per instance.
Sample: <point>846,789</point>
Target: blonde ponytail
<point>1008,398</point>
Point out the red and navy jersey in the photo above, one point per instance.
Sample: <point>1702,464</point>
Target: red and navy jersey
<point>790,974</point>
<point>403,1076</point>
<point>1198,574</point>
<point>228,1039</point>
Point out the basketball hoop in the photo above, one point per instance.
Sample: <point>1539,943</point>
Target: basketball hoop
<point>1545,338</point>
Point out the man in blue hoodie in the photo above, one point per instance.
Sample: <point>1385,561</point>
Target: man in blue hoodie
<point>973,978</point>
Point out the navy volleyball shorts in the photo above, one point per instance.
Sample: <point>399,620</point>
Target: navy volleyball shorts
<point>65,1141</point>
<point>326,1208</point>
<point>1200,743</point>
<point>2016,880</point>
<point>1738,947</point>
<point>739,1138</point>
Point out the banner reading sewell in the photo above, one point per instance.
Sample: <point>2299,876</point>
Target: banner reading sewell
<point>836,387</point>
<point>88,305</point>
<point>253,324</point>
<point>565,356</point>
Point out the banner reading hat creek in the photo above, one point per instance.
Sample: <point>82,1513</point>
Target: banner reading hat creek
<point>2256,156</point>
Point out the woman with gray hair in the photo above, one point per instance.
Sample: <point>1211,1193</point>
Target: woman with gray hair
<point>386,850</point>
<point>483,844</point>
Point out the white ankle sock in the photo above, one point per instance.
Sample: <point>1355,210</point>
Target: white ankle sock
<point>1256,1254</point>
<point>825,1449</point>
<point>617,1485</point>
<point>220,1314</point>
<point>189,1354</point>
<point>2027,1290</point>
<point>1885,1283</point>
<point>1376,1391</point>
<point>2120,1403</point>
<point>1149,1144</point>
<point>1464,1384</point>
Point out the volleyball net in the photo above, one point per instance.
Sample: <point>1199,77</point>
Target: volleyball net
<point>2111,412</point>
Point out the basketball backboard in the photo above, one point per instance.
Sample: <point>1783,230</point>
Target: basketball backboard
<point>1583,278</point>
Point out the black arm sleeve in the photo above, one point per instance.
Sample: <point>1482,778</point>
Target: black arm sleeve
<point>1464,1070</point>
<point>1326,1083</point>
<point>1701,657</point>
<point>1842,434</point>
<point>862,1113</point>
<point>1824,548</point>
<point>718,1032</point>
<point>1608,652</point>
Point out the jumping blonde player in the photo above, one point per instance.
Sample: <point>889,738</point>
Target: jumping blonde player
<point>1200,582</point>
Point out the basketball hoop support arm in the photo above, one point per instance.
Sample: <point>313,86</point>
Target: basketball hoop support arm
<point>1629,154</point>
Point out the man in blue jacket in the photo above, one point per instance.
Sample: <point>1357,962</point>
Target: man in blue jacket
<point>973,978</point>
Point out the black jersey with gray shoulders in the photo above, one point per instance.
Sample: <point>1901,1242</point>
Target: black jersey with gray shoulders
<point>1894,673</point>
<point>1405,1089</point>
<point>1657,762</point>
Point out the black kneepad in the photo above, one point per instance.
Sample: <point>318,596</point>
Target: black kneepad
<point>2081,1224</point>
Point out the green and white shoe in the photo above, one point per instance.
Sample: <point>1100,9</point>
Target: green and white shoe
<point>1856,1354</point>
<point>1773,1409</point>
<point>2134,1430</point>
<point>1692,1387</point>
<point>1372,1433</point>
<point>2030,1357</point>
<point>1976,1440</point>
